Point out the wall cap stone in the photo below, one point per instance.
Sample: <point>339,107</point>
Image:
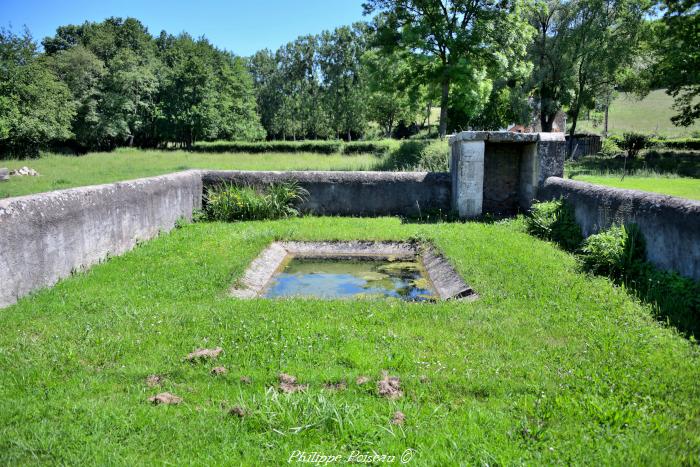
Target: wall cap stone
<point>505,137</point>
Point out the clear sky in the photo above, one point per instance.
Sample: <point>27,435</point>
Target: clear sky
<point>241,26</point>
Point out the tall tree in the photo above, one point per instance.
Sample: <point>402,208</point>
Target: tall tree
<point>457,34</point>
<point>36,108</point>
<point>343,80</point>
<point>678,47</point>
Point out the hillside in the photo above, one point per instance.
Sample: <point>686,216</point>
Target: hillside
<point>651,115</point>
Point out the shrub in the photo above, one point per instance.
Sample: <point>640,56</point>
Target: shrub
<point>633,143</point>
<point>610,148</point>
<point>424,155</point>
<point>229,202</point>
<point>435,157</point>
<point>377,148</point>
<point>680,143</point>
<point>318,147</point>
<point>555,221</point>
<point>614,252</point>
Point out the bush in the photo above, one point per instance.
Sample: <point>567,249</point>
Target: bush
<point>633,143</point>
<point>614,252</point>
<point>318,147</point>
<point>555,221</point>
<point>680,143</point>
<point>230,203</point>
<point>619,253</point>
<point>422,155</point>
<point>610,147</point>
<point>377,148</point>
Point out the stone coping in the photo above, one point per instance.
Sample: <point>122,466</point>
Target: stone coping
<point>505,137</point>
<point>446,281</point>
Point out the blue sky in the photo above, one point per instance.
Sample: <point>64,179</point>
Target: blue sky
<point>240,26</point>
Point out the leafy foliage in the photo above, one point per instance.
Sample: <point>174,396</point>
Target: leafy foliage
<point>35,106</point>
<point>555,221</point>
<point>610,147</point>
<point>229,202</point>
<point>428,156</point>
<point>613,252</point>
<point>633,143</point>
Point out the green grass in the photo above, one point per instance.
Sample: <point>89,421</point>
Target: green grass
<point>549,366</point>
<point>674,186</point>
<point>58,172</point>
<point>651,115</point>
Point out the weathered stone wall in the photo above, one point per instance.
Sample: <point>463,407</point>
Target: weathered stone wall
<point>670,225</point>
<point>45,237</point>
<point>354,193</point>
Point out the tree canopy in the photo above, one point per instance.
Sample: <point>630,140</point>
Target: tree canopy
<point>484,63</point>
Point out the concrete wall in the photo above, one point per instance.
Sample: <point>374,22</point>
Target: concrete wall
<point>670,225</point>
<point>45,237</point>
<point>355,193</point>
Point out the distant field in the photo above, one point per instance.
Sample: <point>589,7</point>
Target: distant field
<point>674,186</point>
<point>58,172</point>
<point>651,115</point>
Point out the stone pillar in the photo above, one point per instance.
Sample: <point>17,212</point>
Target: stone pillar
<point>4,174</point>
<point>529,176</point>
<point>467,168</point>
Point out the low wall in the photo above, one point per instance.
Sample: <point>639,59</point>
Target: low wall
<point>670,225</point>
<point>45,237</point>
<point>355,193</point>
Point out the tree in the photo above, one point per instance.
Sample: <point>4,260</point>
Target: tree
<point>612,26</point>
<point>344,84</point>
<point>458,35</point>
<point>570,65</point>
<point>390,100</point>
<point>35,106</point>
<point>677,39</point>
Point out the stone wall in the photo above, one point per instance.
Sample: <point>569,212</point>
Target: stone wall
<point>355,193</point>
<point>670,225</point>
<point>45,237</point>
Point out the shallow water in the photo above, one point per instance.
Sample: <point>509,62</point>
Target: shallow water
<point>342,278</point>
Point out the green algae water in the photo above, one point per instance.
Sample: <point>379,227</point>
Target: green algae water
<point>347,278</point>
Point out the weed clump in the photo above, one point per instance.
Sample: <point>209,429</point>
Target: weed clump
<point>555,221</point>
<point>231,203</point>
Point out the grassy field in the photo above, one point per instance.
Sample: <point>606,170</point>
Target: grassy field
<point>549,366</point>
<point>674,186</point>
<point>651,115</point>
<point>666,171</point>
<point>58,172</point>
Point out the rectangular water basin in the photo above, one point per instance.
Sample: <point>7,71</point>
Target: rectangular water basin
<point>405,270</point>
<point>346,277</point>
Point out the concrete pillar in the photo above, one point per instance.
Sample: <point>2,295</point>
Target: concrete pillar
<point>468,177</point>
<point>529,175</point>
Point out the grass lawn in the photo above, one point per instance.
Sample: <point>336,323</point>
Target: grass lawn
<point>674,186</point>
<point>58,172</point>
<point>651,115</point>
<point>549,366</point>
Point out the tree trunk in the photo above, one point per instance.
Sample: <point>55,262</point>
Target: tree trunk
<point>546,121</point>
<point>605,125</point>
<point>444,100</point>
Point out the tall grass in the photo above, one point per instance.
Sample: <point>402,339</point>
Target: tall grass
<point>229,202</point>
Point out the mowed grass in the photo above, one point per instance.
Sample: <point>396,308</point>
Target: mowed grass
<point>549,366</point>
<point>674,186</point>
<point>59,172</point>
<point>651,115</point>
